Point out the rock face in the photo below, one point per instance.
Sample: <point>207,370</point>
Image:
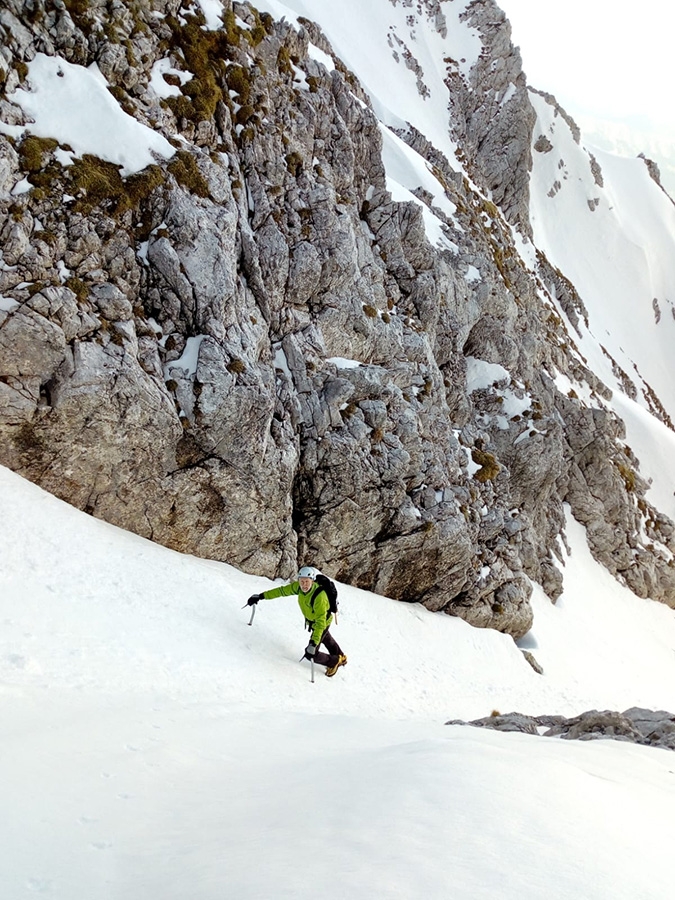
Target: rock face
<point>638,726</point>
<point>492,116</point>
<point>250,352</point>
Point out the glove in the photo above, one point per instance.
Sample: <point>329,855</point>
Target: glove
<point>253,599</point>
<point>310,650</point>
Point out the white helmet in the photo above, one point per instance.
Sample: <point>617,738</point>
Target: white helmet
<point>308,572</point>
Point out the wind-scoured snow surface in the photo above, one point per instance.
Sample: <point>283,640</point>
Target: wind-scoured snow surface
<point>615,241</point>
<point>73,105</point>
<point>155,745</point>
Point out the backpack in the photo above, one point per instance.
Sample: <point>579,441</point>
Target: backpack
<point>330,590</point>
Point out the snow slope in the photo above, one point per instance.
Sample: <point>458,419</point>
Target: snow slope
<point>73,105</point>
<point>620,254</point>
<point>372,39</point>
<point>156,746</point>
<point>615,241</point>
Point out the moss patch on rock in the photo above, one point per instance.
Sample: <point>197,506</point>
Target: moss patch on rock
<point>185,170</point>
<point>489,467</point>
<point>206,55</point>
<point>96,182</point>
<point>34,152</point>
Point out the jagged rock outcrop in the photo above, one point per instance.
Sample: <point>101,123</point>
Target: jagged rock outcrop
<point>652,168</point>
<point>250,352</point>
<point>492,117</point>
<point>653,728</point>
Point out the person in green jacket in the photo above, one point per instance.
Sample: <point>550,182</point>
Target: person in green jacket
<point>315,607</point>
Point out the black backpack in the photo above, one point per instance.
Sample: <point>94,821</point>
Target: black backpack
<point>330,590</point>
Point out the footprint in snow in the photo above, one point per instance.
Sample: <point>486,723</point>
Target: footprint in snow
<point>101,845</point>
<point>21,662</point>
<point>39,885</point>
<point>14,659</point>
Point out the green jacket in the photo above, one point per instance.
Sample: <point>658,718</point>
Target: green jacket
<point>314,605</point>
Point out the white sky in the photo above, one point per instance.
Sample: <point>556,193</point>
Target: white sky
<point>607,59</point>
<point>609,65</point>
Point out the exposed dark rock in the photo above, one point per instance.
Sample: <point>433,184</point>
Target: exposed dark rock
<point>638,726</point>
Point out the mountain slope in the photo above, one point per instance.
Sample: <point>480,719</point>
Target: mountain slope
<point>155,744</point>
<point>619,254</point>
<point>320,329</point>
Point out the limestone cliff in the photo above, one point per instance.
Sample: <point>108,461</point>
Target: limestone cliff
<point>252,352</point>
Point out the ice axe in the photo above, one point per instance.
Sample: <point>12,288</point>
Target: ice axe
<point>311,663</point>
<point>253,606</point>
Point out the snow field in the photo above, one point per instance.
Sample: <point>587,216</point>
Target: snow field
<point>155,745</point>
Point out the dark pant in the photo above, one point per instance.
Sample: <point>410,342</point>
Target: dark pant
<point>328,659</point>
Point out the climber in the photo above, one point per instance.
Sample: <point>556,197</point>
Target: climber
<point>313,590</point>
